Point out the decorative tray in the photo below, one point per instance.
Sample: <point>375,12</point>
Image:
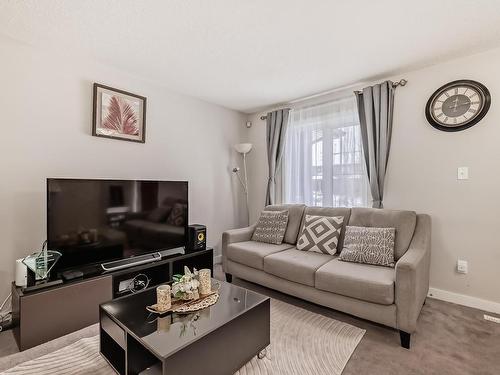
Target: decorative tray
<point>186,307</point>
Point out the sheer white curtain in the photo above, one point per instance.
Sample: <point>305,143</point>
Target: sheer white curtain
<point>323,162</point>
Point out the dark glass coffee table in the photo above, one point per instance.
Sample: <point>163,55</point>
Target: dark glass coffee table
<point>217,340</point>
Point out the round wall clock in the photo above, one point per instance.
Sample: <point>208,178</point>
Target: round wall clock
<point>458,105</point>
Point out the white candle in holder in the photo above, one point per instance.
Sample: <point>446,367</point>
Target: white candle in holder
<point>205,281</point>
<point>163,299</point>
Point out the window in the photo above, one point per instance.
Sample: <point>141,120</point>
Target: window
<point>323,162</point>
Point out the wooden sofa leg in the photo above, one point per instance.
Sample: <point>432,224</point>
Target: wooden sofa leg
<point>229,278</point>
<point>405,339</point>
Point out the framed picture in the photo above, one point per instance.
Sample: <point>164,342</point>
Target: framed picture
<point>118,114</point>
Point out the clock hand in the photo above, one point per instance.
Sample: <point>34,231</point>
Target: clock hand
<point>459,105</point>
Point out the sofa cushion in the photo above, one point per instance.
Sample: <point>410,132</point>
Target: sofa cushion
<point>252,253</point>
<point>295,265</point>
<point>320,234</point>
<point>271,227</point>
<point>362,281</point>
<point>330,211</point>
<point>369,245</point>
<point>295,212</point>
<point>403,221</point>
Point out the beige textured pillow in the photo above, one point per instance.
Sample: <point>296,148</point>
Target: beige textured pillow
<point>320,234</point>
<point>369,245</point>
<point>271,227</point>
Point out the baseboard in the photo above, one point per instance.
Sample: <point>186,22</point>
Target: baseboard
<point>217,259</point>
<point>462,299</point>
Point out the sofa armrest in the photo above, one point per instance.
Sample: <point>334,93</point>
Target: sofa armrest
<point>412,276</point>
<point>232,236</point>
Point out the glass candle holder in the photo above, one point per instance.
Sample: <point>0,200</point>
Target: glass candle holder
<point>163,299</point>
<point>204,276</point>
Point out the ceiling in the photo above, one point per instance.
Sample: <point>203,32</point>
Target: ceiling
<point>248,55</point>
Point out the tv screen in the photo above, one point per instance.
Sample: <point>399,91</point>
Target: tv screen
<point>92,221</point>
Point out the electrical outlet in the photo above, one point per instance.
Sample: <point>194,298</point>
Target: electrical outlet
<point>493,319</point>
<point>462,173</point>
<point>462,266</point>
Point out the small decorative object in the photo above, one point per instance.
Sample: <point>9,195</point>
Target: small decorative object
<point>138,283</point>
<point>197,305</point>
<point>180,306</point>
<point>163,300</point>
<point>42,262</point>
<point>185,286</point>
<point>458,105</point>
<point>118,114</point>
<point>204,277</point>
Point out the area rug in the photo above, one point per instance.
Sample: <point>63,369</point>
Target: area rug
<point>302,342</point>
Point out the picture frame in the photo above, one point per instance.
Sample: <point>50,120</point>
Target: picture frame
<point>118,114</point>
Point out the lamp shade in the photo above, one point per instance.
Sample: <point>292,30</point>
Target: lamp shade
<point>243,148</point>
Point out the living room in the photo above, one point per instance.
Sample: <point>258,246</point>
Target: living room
<point>230,124</point>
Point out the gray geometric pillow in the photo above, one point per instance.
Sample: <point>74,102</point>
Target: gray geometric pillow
<point>369,245</point>
<point>320,234</point>
<point>271,227</point>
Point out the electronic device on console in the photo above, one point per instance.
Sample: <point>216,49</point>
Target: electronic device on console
<point>114,223</point>
<point>197,237</point>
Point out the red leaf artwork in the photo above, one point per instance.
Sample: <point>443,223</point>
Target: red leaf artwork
<point>121,117</point>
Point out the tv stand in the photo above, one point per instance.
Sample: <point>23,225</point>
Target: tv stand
<point>43,315</point>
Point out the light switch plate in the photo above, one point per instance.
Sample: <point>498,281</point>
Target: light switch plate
<point>463,173</point>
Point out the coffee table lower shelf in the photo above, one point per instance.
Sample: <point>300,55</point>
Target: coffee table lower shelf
<point>219,352</point>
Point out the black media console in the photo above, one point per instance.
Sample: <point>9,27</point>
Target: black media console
<point>45,314</point>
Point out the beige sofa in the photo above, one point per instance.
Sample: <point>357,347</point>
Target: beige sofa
<point>389,296</point>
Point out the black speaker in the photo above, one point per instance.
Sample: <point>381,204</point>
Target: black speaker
<point>197,237</point>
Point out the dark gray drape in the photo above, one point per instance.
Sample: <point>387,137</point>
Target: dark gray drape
<point>375,108</point>
<point>276,127</point>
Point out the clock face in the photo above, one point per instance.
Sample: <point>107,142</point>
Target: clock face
<point>458,105</point>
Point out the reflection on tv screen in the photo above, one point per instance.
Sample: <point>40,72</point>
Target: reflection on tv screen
<point>92,221</point>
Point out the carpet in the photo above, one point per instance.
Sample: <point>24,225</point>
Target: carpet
<point>302,342</point>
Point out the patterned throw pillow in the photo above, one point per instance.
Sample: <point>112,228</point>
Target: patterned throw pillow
<point>271,227</point>
<point>320,234</point>
<point>177,215</point>
<point>369,245</point>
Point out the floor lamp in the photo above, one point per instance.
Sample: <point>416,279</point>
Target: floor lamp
<point>243,149</point>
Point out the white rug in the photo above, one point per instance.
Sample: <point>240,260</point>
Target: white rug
<point>302,343</point>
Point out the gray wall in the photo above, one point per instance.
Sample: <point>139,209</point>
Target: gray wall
<point>46,131</point>
<point>422,176</point>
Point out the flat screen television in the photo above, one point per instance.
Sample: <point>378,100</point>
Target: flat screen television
<point>92,221</point>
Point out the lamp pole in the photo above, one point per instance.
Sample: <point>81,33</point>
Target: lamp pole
<point>246,186</point>
<point>244,149</point>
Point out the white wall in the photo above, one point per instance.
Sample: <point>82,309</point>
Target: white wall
<point>422,176</point>
<point>45,122</point>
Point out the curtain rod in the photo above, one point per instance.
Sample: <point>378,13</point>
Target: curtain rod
<point>401,82</point>
<point>265,116</point>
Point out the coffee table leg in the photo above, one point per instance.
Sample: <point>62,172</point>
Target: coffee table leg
<point>262,354</point>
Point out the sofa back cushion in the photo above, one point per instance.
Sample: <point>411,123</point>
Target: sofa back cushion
<point>320,234</point>
<point>403,221</point>
<point>331,212</point>
<point>369,245</point>
<point>271,227</point>
<point>295,212</point>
